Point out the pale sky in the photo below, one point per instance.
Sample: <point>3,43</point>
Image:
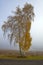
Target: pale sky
<point>6,8</point>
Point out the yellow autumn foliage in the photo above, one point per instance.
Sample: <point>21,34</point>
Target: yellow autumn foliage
<point>25,42</point>
<point>28,25</point>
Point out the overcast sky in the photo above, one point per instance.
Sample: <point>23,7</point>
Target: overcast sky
<point>6,8</point>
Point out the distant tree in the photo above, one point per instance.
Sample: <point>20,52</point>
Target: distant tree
<point>19,26</point>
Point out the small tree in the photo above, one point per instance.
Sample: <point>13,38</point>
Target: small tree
<point>19,26</point>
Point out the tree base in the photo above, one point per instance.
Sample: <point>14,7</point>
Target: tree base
<point>21,56</point>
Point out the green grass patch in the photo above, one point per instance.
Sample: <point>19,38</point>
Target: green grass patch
<point>21,58</point>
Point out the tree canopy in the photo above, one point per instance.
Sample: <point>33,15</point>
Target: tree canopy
<point>19,26</point>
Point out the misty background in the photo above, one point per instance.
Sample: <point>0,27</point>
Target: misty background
<point>6,8</point>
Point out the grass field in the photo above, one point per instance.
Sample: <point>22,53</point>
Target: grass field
<point>25,58</point>
<point>9,54</point>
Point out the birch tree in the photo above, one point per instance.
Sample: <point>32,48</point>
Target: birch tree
<point>19,26</point>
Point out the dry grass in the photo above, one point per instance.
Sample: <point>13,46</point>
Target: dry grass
<point>11,54</point>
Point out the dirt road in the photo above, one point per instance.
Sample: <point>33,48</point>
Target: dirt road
<point>20,62</point>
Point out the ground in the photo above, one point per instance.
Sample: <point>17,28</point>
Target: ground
<point>14,54</point>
